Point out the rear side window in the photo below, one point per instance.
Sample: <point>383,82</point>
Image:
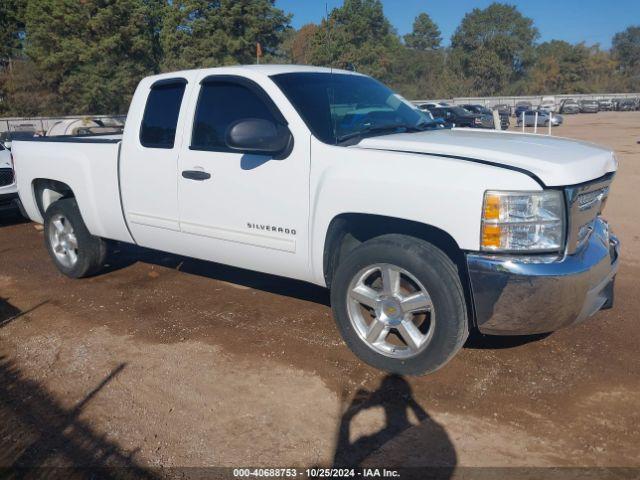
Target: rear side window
<point>160,118</point>
<point>221,104</point>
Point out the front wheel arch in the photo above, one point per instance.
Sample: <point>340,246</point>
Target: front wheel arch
<point>347,231</point>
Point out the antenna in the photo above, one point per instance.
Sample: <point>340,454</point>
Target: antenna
<point>331,94</point>
<point>326,16</point>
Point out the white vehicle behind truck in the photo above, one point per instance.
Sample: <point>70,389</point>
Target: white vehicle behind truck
<point>329,177</point>
<point>8,187</point>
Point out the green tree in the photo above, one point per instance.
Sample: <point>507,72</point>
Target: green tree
<point>357,35</point>
<point>422,74</point>
<point>202,33</point>
<point>625,48</point>
<point>297,45</point>
<point>11,43</point>
<point>11,29</point>
<point>604,75</point>
<point>25,92</point>
<point>425,34</point>
<point>560,68</point>
<point>92,53</point>
<point>494,47</point>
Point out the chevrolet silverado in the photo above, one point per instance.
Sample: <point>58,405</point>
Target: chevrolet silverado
<point>329,177</point>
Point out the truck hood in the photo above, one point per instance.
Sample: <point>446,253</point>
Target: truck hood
<point>554,161</point>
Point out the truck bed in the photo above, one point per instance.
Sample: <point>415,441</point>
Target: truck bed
<point>89,166</point>
<point>99,138</point>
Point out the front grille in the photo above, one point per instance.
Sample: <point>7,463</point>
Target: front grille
<point>6,177</point>
<point>584,203</point>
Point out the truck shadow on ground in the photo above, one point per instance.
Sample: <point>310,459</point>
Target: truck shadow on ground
<point>398,443</point>
<point>36,431</point>
<point>478,341</point>
<point>12,217</point>
<point>122,255</point>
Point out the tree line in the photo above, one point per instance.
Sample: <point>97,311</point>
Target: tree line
<point>86,56</point>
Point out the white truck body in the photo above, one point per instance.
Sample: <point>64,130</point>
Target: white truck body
<point>275,215</point>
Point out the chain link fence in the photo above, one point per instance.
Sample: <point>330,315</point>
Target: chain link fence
<point>535,100</point>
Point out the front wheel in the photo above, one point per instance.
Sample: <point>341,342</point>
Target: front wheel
<point>74,251</point>
<point>399,305</point>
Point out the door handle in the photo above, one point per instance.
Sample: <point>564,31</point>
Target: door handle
<point>199,175</point>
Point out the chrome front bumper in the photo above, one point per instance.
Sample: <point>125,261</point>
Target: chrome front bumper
<point>526,295</point>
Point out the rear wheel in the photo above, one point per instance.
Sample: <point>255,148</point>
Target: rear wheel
<point>74,251</point>
<point>399,305</point>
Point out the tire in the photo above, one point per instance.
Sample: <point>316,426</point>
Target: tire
<point>74,251</point>
<point>423,269</point>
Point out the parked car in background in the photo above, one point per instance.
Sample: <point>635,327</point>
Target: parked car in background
<point>504,109</point>
<point>7,138</point>
<point>605,104</point>
<point>439,122</point>
<point>543,118</point>
<point>421,234</point>
<point>589,106</point>
<point>569,106</point>
<point>8,187</point>
<point>426,106</point>
<point>457,116</point>
<point>487,116</point>
<point>626,105</point>
<point>548,105</point>
<point>521,107</point>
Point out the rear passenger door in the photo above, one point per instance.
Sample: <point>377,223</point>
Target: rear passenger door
<point>149,162</point>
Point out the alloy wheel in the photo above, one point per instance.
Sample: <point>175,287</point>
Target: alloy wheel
<point>63,240</point>
<point>391,311</point>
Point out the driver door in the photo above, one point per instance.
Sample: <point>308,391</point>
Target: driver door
<point>239,208</point>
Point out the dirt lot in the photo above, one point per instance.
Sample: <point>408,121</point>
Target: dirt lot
<point>165,361</point>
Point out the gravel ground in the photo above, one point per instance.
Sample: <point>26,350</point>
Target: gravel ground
<point>165,362</point>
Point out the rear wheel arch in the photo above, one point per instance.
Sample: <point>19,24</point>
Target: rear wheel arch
<point>47,191</point>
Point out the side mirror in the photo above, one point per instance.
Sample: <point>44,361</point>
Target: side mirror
<point>256,135</point>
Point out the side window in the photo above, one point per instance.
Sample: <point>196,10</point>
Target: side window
<point>160,118</point>
<point>220,104</point>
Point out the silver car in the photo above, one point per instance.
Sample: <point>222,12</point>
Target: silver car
<point>543,118</point>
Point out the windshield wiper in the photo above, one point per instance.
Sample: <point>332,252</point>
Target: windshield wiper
<point>379,129</point>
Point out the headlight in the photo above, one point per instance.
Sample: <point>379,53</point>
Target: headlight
<point>523,221</point>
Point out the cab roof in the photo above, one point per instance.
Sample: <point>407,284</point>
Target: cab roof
<point>250,70</point>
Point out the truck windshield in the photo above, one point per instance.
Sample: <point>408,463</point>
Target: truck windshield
<point>342,108</point>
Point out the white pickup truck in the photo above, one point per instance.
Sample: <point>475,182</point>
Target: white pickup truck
<point>327,176</point>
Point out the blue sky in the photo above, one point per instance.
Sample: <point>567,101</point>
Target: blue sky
<point>590,21</point>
